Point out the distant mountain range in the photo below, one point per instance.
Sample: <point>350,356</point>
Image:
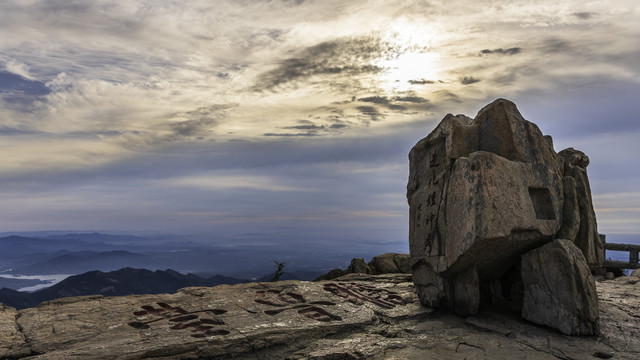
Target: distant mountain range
<point>127,281</point>
<point>79,262</point>
<point>79,253</point>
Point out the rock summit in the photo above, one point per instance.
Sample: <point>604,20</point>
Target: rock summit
<point>485,192</point>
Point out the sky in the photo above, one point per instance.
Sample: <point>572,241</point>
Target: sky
<point>290,121</point>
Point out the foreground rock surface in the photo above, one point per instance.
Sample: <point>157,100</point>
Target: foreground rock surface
<point>354,317</point>
<point>559,290</point>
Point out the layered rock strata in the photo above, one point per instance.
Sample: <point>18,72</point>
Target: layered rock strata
<point>484,191</point>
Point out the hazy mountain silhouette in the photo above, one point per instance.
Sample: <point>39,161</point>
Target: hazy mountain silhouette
<point>127,281</point>
<point>79,262</point>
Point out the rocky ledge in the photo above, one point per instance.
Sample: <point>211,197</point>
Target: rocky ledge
<point>356,316</point>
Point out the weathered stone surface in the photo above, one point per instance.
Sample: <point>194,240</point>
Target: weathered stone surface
<point>484,191</point>
<point>389,263</point>
<point>586,237</point>
<point>12,341</point>
<point>571,212</point>
<point>358,266</point>
<point>270,321</point>
<point>559,290</point>
<point>210,322</point>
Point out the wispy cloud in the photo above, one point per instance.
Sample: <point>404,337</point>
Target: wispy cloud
<point>218,182</point>
<point>343,56</point>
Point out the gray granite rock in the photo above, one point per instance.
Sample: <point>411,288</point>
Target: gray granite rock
<point>585,234</point>
<point>484,191</point>
<point>559,290</point>
<point>389,263</point>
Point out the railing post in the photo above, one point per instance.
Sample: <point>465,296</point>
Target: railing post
<point>633,257</point>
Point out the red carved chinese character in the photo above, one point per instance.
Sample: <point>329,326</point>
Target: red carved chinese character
<point>429,219</point>
<point>429,243</point>
<point>431,200</point>
<point>434,160</point>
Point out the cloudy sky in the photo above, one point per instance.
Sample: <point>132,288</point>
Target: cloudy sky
<point>292,119</point>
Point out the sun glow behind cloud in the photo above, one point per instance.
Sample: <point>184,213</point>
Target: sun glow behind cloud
<point>400,72</point>
<point>416,59</point>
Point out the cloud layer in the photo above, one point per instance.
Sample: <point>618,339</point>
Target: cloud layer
<point>288,114</point>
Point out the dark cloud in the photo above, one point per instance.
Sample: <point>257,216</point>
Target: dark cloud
<point>585,15</point>
<point>375,99</point>
<point>191,128</point>
<point>311,128</point>
<point>306,134</point>
<point>391,103</point>
<point>371,111</point>
<point>350,56</point>
<point>421,82</point>
<point>501,51</point>
<point>384,100</point>
<point>468,80</point>
<point>412,99</point>
<point>200,121</point>
<point>396,107</point>
<point>305,127</point>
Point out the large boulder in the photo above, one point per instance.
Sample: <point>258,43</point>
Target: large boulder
<point>389,263</point>
<point>481,193</point>
<point>559,290</point>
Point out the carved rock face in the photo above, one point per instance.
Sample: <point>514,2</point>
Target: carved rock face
<point>484,191</point>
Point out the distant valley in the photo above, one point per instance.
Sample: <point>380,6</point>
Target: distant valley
<point>112,265</point>
<point>79,253</point>
<point>127,281</point>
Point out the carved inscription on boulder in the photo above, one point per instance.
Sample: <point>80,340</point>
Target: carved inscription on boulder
<point>286,301</point>
<point>424,215</point>
<point>201,323</point>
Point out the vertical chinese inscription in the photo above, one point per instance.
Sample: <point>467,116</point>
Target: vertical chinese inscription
<point>426,204</point>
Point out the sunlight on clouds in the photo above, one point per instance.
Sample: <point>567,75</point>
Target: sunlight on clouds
<point>407,67</point>
<point>24,154</point>
<point>222,182</point>
<point>417,61</point>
